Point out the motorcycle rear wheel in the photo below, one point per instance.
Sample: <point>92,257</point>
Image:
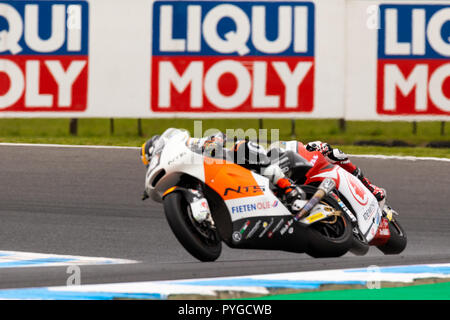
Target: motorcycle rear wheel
<point>326,241</point>
<point>205,245</point>
<point>327,238</point>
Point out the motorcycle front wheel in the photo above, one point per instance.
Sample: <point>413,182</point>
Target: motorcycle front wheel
<point>201,242</point>
<point>397,241</point>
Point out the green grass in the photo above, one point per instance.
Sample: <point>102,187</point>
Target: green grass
<point>97,132</point>
<point>437,291</point>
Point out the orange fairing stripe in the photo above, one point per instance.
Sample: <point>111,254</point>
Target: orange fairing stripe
<point>230,180</point>
<point>169,191</point>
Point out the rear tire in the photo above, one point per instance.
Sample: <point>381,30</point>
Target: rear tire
<point>177,213</point>
<point>322,245</point>
<point>329,239</point>
<point>397,241</point>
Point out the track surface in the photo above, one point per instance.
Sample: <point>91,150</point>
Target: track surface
<point>83,201</point>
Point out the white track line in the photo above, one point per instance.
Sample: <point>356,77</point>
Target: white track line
<point>409,158</point>
<point>373,156</point>
<point>19,259</point>
<point>64,146</point>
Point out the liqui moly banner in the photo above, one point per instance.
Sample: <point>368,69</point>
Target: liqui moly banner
<point>43,56</point>
<point>413,72</point>
<point>398,60</point>
<point>233,56</point>
<point>147,59</point>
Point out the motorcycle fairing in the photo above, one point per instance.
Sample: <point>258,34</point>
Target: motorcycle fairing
<point>363,202</point>
<point>230,180</point>
<point>265,232</point>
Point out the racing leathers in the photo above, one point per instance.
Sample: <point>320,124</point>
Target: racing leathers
<point>336,156</point>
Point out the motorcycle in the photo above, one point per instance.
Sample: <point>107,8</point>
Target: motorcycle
<point>209,200</point>
<point>374,224</point>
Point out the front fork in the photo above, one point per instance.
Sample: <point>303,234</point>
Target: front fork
<point>197,202</point>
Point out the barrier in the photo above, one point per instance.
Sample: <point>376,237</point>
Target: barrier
<point>347,59</point>
<point>402,72</point>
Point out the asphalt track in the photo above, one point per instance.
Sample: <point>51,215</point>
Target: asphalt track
<point>86,201</point>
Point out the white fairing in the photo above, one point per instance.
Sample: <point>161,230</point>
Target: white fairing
<point>176,158</point>
<point>363,202</point>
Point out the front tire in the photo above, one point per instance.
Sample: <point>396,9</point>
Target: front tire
<point>205,245</point>
<point>397,241</point>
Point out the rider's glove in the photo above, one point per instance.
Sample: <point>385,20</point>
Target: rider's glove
<point>320,146</point>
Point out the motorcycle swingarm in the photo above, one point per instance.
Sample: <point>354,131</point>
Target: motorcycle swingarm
<point>318,213</point>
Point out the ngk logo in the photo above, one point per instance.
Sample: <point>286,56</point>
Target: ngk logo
<point>413,60</point>
<point>232,56</point>
<point>43,55</point>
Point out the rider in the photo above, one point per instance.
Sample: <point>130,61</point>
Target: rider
<point>336,156</point>
<point>253,156</point>
<point>245,153</point>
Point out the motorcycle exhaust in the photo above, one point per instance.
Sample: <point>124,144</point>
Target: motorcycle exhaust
<point>324,189</point>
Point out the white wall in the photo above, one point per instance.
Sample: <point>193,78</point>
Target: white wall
<point>119,68</point>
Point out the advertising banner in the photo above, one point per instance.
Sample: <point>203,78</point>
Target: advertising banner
<point>351,59</point>
<point>43,56</point>
<point>147,59</point>
<point>413,73</point>
<point>233,56</point>
<point>402,72</point>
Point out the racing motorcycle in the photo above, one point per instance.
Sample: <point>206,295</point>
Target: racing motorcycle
<point>209,200</point>
<point>374,224</point>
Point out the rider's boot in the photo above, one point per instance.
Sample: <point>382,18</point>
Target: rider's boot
<point>293,194</point>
